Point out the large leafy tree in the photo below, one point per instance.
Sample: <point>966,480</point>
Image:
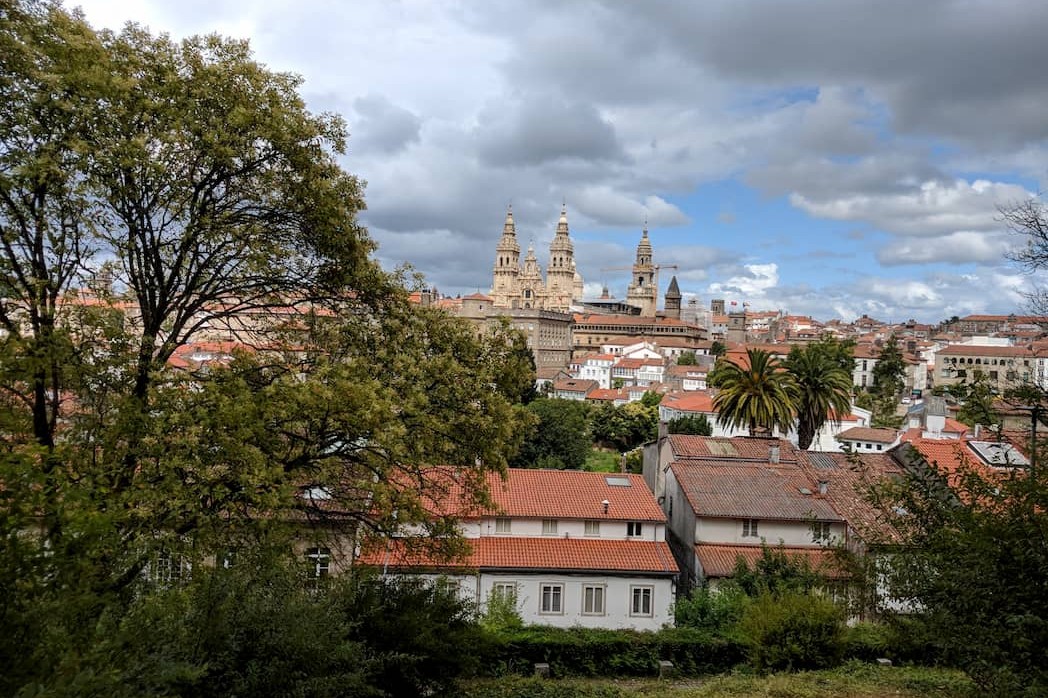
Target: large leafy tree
<point>823,388</point>
<point>758,393</point>
<point>889,370</point>
<point>974,568</point>
<point>188,187</point>
<point>560,435</point>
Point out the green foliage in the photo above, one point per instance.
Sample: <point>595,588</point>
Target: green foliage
<point>823,387</point>
<point>776,572</point>
<point>690,424</point>
<point>593,652</point>
<point>521,687</point>
<point>714,610</point>
<point>791,631</point>
<point>889,371</point>
<point>760,394</point>
<point>424,634</point>
<point>598,461</point>
<point>976,397</point>
<point>687,359</point>
<point>976,563</point>
<point>625,427</point>
<point>560,438</point>
<point>501,614</point>
<point>718,348</point>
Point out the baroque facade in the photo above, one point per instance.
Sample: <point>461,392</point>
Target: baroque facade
<point>522,286</point>
<point>517,285</point>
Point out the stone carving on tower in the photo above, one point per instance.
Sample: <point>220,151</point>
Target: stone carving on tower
<point>560,274</point>
<point>517,285</point>
<point>643,291</point>
<point>505,287</point>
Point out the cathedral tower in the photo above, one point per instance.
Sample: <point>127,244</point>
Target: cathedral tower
<point>560,274</point>
<point>531,291</point>
<point>671,306</point>
<point>505,290</point>
<point>642,292</point>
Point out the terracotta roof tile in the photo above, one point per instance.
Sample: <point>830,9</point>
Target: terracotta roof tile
<point>728,449</point>
<point>849,478</point>
<point>881,436</point>
<point>719,560</point>
<point>758,491</point>
<point>537,493</point>
<point>567,554</point>
<point>690,401</point>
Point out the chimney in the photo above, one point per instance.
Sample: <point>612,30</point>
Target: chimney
<point>824,486</point>
<point>978,431</point>
<point>606,504</point>
<point>664,430</point>
<point>773,454</point>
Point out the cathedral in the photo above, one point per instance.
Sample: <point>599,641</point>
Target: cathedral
<point>522,286</point>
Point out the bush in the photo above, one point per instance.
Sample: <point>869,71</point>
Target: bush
<point>519,687</point>
<point>593,652</point>
<point>791,631</point>
<point>716,611</point>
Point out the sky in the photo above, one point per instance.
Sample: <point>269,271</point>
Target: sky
<point>830,158</point>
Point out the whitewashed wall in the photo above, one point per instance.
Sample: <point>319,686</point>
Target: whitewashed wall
<point>729,532</point>
<point>617,599</point>
<point>610,529</point>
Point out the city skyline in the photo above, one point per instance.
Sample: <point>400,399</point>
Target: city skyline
<point>829,158</point>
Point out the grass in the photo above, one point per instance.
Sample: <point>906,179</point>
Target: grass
<point>853,680</point>
<point>598,461</point>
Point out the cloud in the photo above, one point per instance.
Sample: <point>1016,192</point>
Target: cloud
<point>962,247</point>
<point>382,126</point>
<point>545,128</point>
<point>924,208</point>
<point>752,282</point>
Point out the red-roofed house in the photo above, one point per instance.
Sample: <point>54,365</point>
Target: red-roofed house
<point>725,497</point>
<point>572,548</point>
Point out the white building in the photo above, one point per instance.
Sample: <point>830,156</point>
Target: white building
<point>570,548</point>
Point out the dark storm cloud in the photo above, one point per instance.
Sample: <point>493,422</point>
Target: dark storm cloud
<point>544,128</point>
<point>382,126</point>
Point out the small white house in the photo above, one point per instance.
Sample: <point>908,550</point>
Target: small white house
<point>569,548</point>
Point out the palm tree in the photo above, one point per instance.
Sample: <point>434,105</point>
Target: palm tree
<point>823,391</point>
<point>759,395</point>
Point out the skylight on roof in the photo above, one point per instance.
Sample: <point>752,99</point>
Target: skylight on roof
<point>614,481</point>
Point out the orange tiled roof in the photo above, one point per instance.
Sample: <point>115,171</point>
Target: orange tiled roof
<point>537,493</point>
<point>882,436</point>
<point>739,448</point>
<point>690,401</point>
<point>519,553</point>
<point>752,491</point>
<point>719,560</point>
<point>849,478</point>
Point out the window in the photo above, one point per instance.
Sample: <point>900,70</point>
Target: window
<point>593,599</point>
<point>549,527</point>
<point>640,601</point>
<point>504,591</point>
<point>502,525</point>
<point>319,560</point>
<point>551,598</point>
<point>633,529</point>
<point>820,530</point>
<point>592,528</point>
<point>749,528</point>
<point>168,569</point>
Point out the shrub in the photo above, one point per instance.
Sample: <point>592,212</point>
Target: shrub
<point>716,611</point>
<point>791,631</point>
<point>594,652</point>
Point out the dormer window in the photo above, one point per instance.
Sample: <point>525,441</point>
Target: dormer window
<point>502,525</point>
<point>634,529</point>
<point>549,527</point>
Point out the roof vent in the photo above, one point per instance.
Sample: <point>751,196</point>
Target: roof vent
<point>773,454</point>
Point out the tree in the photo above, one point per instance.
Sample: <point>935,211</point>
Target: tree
<point>718,349</point>
<point>760,394</point>
<point>686,359</point>
<point>889,370</point>
<point>690,424</point>
<point>219,202</point>
<point>559,438</point>
<point>823,389</point>
<point>973,567</point>
<point>977,397</point>
<point>1027,219</point>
